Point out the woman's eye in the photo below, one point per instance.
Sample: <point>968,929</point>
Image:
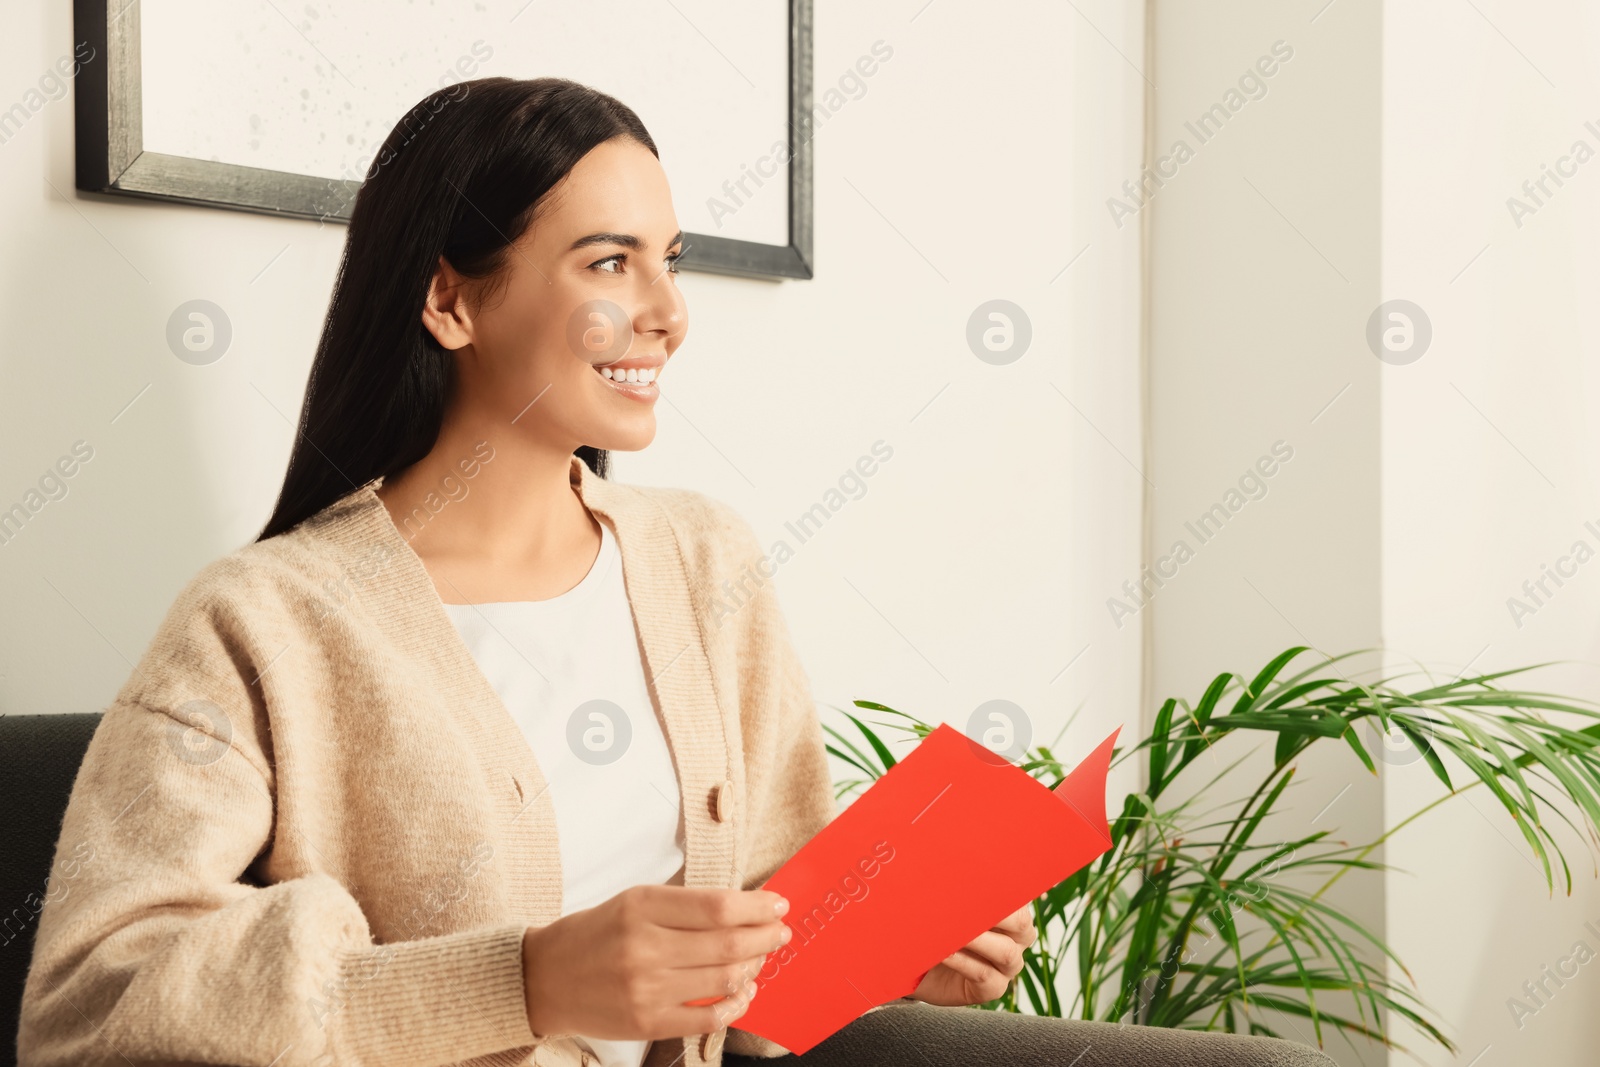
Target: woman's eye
<point>603,266</point>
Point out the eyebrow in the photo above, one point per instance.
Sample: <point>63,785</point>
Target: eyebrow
<point>627,240</point>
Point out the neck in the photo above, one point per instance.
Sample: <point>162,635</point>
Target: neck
<point>489,493</point>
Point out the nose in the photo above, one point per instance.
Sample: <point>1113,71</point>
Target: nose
<point>661,312</point>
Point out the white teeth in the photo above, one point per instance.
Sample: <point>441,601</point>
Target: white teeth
<point>634,375</point>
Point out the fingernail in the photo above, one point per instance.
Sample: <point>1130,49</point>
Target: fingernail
<point>781,906</point>
<point>783,938</point>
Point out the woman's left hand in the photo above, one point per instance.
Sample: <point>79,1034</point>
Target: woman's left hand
<point>981,972</point>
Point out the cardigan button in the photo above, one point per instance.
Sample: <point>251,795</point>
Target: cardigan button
<point>722,804</point>
<point>711,1044</point>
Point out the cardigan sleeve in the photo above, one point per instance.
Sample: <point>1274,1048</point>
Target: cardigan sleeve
<point>159,940</point>
<point>154,946</point>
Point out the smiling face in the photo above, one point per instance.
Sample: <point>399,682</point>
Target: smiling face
<point>568,340</point>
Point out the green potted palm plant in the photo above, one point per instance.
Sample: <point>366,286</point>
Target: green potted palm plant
<point>1196,919</point>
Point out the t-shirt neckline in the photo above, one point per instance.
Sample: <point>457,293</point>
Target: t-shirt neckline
<point>599,571</point>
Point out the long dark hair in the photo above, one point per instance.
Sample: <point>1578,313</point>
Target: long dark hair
<point>460,176</point>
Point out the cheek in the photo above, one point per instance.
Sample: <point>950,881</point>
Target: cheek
<point>522,346</point>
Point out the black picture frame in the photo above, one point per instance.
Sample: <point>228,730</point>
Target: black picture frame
<point>111,157</point>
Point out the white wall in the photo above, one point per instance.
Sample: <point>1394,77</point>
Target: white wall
<point>964,174</point>
<point>1422,499</point>
<point>1489,472</point>
<point>1264,258</point>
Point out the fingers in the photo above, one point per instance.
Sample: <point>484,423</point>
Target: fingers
<point>701,1018</point>
<point>990,951</point>
<point>707,948</point>
<point>981,980</point>
<point>1019,926</point>
<point>728,980</point>
<point>688,1020</point>
<point>724,1012</point>
<point>697,908</point>
<point>689,1000</point>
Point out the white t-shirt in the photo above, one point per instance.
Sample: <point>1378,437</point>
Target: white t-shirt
<point>570,673</point>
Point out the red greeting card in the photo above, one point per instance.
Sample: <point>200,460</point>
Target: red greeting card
<point>948,842</point>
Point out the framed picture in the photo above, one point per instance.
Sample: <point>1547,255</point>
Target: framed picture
<point>279,108</point>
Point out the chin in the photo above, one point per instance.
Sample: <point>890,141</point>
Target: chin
<point>629,440</point>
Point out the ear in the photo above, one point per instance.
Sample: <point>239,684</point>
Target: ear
<point>445,312</point>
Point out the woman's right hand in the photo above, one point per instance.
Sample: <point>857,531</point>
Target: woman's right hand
<point>624,970</point>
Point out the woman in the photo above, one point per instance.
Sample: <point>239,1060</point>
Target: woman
<point>461,761</point>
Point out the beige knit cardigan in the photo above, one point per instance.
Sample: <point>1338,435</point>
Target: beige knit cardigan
<point>308,832</point>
